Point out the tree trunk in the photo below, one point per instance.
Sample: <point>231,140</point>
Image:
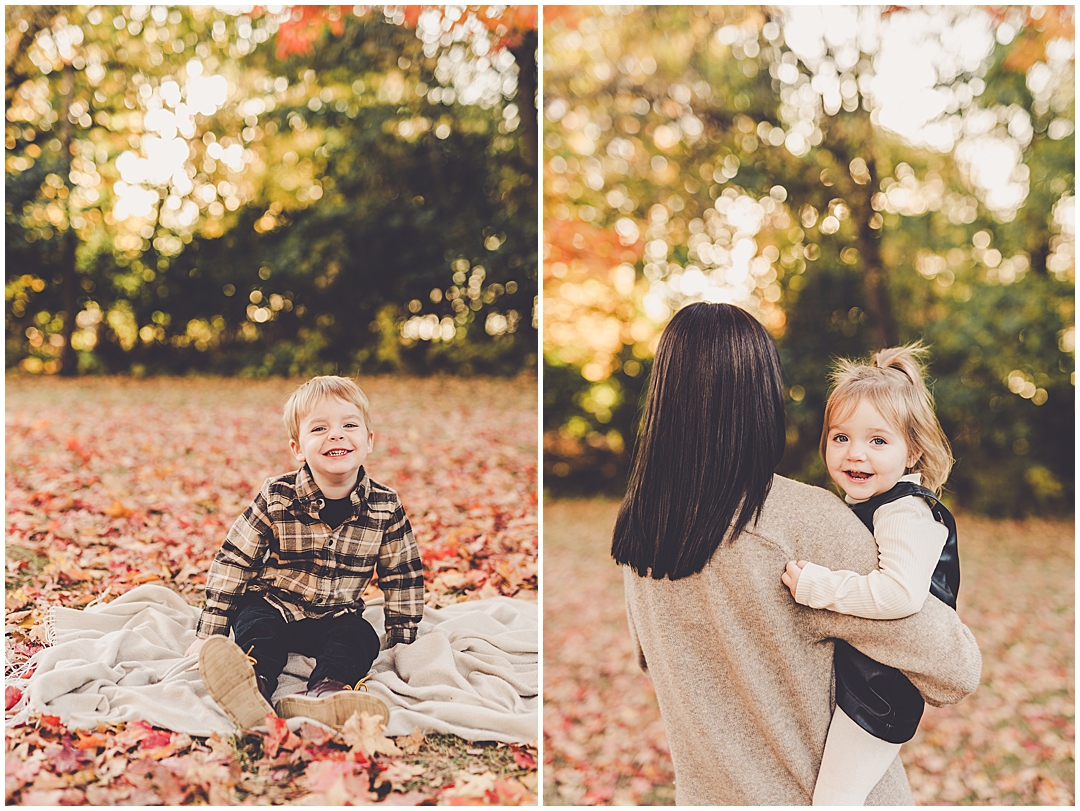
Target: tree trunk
<point>69,279</point>
<point>1040,251</point>
<point>18,68</point>
<point>875,282</point>
<point>860,198</point>
<point>525,56</point>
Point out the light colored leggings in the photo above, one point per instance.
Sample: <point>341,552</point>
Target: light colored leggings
<point>853,763</point>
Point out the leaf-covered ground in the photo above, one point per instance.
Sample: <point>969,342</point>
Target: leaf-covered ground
<point>115,482</point>
<point>1011,743</point>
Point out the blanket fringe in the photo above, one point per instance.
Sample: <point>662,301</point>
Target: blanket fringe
<point>99,598</point>
<point>50,626</point>
<point>19,671</point>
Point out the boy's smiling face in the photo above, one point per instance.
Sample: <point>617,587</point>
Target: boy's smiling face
<point>335,442</point>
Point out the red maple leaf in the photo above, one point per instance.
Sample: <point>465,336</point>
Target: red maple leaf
<point>156,739</point>
<point>305,24</point>
<point>598,250</point>
<point>524,760</point>
<point>280,736</point>
<point>569,16</point>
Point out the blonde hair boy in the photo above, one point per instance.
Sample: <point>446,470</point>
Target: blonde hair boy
<point>290,575</point>
<point>302,400</point>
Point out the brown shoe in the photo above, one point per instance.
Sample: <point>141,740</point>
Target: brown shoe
<point>332,703</point>
<point>232,682</point>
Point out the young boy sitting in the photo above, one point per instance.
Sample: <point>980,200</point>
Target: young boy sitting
<point>289,576</point>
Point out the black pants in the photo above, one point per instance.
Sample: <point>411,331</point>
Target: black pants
<point>343,647</point>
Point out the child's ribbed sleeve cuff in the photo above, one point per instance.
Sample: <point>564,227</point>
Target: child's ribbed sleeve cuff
<point>814,588</point>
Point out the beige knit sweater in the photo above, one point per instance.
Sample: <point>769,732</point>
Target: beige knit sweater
<point>744,675</point>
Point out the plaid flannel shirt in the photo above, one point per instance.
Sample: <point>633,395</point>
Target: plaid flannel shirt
<point>281,549</point>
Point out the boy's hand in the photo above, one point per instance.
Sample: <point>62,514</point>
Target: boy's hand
<point>790,577</point>
<point>196,646</point>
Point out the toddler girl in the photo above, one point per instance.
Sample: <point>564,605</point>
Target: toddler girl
<point>883,446</point>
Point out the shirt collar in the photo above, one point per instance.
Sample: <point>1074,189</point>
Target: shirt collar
<point>309,498</point>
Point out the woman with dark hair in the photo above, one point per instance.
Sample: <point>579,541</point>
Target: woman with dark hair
<point>743,674</point>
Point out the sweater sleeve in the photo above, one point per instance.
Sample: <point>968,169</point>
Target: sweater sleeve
<point>932,648</point>
<point>638,652</point>
<point>909,543</point>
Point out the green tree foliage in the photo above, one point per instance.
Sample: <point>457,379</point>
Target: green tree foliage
<point>334,211</point>
<point>726,154</point>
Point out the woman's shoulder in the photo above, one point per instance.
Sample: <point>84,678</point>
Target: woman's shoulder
<point>813,524</point>
<point>794,508</point>
<point>787,495</point>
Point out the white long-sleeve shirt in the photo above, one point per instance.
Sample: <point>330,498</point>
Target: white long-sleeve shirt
<point>909,543</point>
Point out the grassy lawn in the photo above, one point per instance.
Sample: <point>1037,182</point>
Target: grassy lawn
<point>1011,743</point>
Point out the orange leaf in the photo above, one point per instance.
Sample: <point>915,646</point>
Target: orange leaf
<point>570,16</point>
<point>118,510</point>
<point>90,741</point>
<point>596,249</point>
<point>73,574</point>
<point>51,721</point>
<point>412,15</point>
<point>143,577</point>
<point>364,734</point>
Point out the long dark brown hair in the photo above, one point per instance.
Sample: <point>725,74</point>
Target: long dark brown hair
<point>711,436</point>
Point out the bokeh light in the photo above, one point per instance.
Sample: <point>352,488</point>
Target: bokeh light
<point>852,176</point>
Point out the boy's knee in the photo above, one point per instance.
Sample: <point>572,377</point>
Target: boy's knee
<point>366,629</point>
<point>358,632</point>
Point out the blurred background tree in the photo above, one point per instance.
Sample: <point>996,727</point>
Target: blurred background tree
<point>856,178</point>
<point>205,190</point>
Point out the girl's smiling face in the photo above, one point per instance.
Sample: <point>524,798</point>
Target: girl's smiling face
<point>865,453</point>
<point>334,441</point>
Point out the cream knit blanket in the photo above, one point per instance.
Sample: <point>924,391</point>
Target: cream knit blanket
<point>472,670</point>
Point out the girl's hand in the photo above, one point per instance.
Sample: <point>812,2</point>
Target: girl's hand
<point>790,577</point>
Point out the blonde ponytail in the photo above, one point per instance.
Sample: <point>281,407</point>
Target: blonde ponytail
<point>894,383</point>
<point>906,359</point>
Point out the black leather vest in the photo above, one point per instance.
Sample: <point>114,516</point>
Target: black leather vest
<point>881,699</point>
